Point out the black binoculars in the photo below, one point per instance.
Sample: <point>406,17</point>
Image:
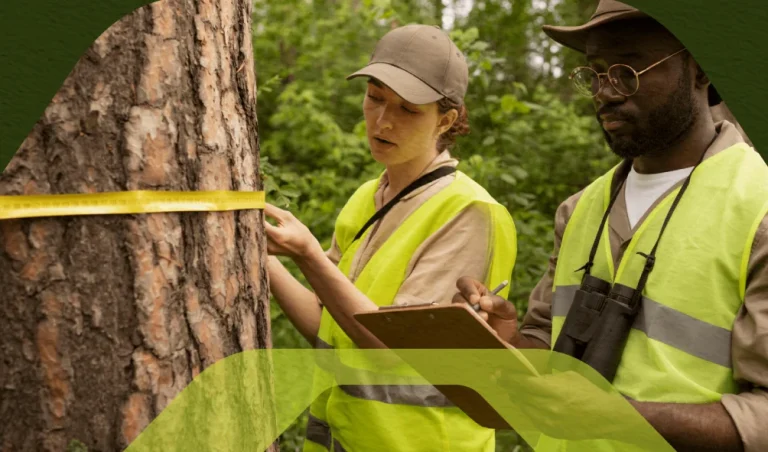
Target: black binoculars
<point>598,324</point>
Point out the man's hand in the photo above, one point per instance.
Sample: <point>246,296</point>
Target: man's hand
<point>499,313</point>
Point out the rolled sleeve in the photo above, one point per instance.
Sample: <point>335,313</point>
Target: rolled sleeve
<point>749,409</point>
<point>537,322</point>
<point>334,253</point>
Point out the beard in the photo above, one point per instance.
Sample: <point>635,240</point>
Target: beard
<point>665,126</point>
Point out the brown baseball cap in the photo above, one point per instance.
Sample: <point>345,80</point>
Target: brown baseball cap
<point>420,63</point>
<point>607,11</point>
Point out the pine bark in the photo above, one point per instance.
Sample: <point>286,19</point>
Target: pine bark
<point>105,319</point>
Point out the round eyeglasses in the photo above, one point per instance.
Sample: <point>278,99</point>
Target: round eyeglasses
<point>624,79</point>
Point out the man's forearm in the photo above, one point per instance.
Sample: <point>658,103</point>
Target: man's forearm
<point>690,427</point>
<point>525,341</point>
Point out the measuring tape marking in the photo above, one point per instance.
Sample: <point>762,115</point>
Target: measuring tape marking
<point>128,202</point>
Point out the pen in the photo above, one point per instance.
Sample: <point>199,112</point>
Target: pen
<point>498,288</point>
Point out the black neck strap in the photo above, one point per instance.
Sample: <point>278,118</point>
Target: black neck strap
<point>588,266</point>
<point>650,259</point>
<point>420,182</point>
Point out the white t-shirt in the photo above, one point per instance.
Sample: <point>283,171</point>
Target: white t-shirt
<point>642,190</point>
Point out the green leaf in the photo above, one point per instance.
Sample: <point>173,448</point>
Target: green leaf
<point>509,103</point>
<point>290,192</point>
<point>508,179</point>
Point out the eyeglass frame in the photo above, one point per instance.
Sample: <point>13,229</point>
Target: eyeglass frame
<point>600,75</point>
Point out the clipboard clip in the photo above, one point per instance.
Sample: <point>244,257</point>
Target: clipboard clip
<point>406,305</point>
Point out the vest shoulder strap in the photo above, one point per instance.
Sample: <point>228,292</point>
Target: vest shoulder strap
<point>358,208</point>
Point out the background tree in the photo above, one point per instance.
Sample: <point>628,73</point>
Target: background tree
<point>105,319</point>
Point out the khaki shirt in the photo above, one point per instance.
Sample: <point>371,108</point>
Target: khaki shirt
<point>459,248</point>
<point>750,329</point>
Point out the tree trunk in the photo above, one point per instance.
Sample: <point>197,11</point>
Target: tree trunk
<point>105,319</point>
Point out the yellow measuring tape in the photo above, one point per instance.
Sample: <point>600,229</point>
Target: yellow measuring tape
<point>129,202</point>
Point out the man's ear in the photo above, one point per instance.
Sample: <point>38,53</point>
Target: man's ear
<point>702,80</point>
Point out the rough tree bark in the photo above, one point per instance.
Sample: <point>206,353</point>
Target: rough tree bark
<point>104,319</point>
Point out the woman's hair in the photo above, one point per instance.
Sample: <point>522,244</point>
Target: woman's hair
<point>459,127</point>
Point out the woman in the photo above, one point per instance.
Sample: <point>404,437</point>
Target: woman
<point>446,228</point>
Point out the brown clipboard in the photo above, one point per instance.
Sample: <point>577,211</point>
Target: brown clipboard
<point>454,326</point>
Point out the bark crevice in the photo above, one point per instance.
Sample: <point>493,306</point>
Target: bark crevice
<point>106,319</point>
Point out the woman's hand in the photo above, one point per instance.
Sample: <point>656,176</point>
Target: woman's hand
<point>289,237</point>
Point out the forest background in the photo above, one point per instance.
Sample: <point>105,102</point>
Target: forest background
<point>533,140</point>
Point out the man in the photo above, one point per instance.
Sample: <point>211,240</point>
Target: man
<point>695,363</point>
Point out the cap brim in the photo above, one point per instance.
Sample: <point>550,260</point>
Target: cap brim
<point>576,37</point>
<point>406,85</point>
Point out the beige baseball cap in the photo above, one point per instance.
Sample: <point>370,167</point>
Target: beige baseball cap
<point>420,63</point>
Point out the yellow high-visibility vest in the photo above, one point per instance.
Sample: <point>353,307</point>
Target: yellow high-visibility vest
<point>401,418</point>
<point>679,347</point>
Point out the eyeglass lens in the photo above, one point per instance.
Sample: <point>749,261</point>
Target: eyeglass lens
<point>623,79</point>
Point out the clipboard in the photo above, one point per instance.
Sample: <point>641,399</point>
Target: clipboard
<point>432,326</point>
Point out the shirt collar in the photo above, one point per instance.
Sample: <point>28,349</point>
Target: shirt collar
<point>443,159</point>
<point>727,136</point>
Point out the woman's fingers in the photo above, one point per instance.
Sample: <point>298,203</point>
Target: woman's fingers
<point>274,239</point>
<point>290,237</point>
<point>275,212</point>
<point>276,249</point>
<point>283,227</point>
<point>270,229</point>
<point>274,233</point>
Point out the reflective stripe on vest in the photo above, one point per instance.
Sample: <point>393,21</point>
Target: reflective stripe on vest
<point>404,417</point>
<point>674,328</point>
<point>337,447</point>
<point>414,394</point>
<point>319,432</point>
<point>679,347</point>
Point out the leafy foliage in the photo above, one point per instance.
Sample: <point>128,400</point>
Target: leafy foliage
<point>532,145</point>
